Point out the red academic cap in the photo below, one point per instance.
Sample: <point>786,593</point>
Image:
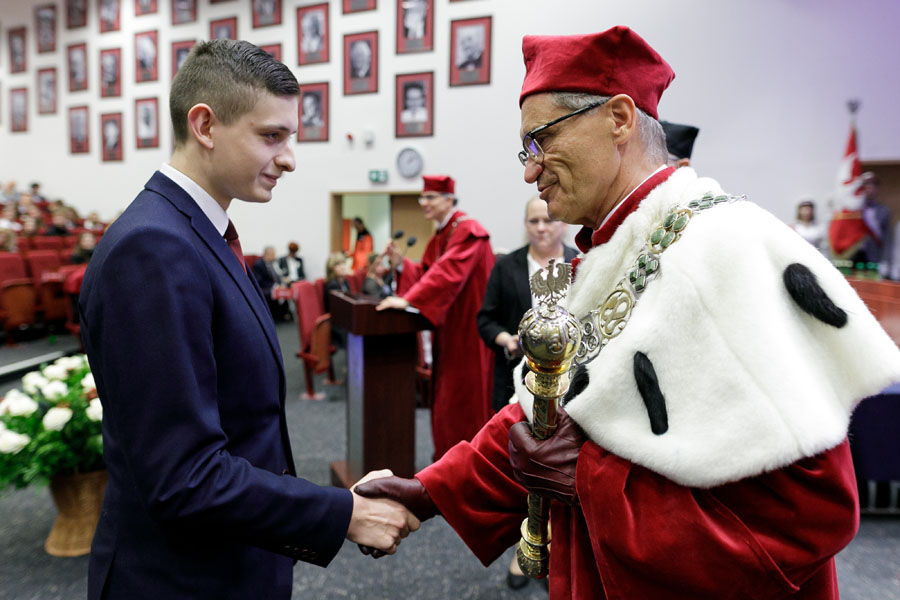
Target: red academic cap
<point>442,184</point>
<point>616,61</point>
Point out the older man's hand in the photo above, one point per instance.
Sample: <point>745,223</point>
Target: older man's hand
<point>393,302</point>
<point>547,467</point>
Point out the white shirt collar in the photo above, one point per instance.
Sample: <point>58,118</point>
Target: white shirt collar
<point>212,209</point>
<point>446,220</point>
<point>622,201</point>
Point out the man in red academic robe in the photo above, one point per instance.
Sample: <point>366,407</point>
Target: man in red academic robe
<point>703,454</point>
<point>447,288</point>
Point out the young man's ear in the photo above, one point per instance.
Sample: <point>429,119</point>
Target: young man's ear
<point>200,120</point>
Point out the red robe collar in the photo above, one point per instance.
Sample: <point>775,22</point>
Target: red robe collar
<point>588,238</point>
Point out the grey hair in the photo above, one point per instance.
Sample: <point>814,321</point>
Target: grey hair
<point>653,138</point>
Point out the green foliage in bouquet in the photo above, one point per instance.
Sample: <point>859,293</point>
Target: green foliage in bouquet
<point>52,426</point>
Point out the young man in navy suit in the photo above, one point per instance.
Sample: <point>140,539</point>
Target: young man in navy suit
<point>202,501</point>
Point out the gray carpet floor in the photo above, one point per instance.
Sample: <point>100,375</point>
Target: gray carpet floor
<point>431,564</point>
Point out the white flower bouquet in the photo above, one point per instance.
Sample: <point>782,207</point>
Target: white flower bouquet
<point>52,426</point>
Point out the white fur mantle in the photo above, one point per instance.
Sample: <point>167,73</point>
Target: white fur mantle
<point>751,382</point>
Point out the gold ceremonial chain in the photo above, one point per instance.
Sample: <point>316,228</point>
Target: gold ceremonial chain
<point>609,319</point>
<point>549,337</point>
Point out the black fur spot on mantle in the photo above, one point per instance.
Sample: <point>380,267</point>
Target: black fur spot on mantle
<point>580,381</point>
<point>803,287</point>
<point>648,386</point>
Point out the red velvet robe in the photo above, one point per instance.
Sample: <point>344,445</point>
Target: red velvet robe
<point>638,535</point>
<point>448,287</point>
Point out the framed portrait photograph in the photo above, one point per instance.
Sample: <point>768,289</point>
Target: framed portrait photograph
<point>111,73</point>
<point>414,105</point>
<point>352,6</point>
<point>146,56</point>
<point>18,109</point>
<point>415,26</point>
<point>180,51</point>
<point>184,11</point>
<point>312,34</point>
<point>361,63</point>
<point>313,112</point>
<point>110,13</point>
<point>79,132</point>
<point>18,61</point>
<point>470,51</point>
<point>76,58</point>
<point>146,122</point>
<point>223,29</point>
<point>47,91</point>
<point>111,136</point>
<point>76,14</point>
<point>45,25</point>
<point>145,7</point>
<point>273,49</point>
<point>266,12</point>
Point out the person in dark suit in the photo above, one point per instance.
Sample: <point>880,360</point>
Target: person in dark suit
<point>290,266</point>
<point>508,294</point>
<point>265,271</point>
<point>202,499</point>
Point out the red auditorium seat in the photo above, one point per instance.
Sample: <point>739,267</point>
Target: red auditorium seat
<point>314,327</point>
<point>44,267</point>
<point>250,259</point>
<point>48,242</point>
<point>17,294</point>
<point>72,276</point>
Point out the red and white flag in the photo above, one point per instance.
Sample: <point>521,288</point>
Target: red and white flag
<point>848,230</point>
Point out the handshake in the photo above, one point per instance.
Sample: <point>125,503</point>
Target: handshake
<point>387,508</point>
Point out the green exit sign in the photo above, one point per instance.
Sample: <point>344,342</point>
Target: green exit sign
<point>378,175</point>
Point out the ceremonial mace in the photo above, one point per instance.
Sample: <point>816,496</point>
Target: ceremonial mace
<point>549,336</point>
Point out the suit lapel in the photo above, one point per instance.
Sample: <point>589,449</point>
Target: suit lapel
<point>205,230</point>
<point>523,287</point>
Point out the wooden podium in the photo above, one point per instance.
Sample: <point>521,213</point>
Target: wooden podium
<point>381,381</point>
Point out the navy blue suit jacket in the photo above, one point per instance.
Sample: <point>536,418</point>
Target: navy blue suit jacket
<point>202,501</point>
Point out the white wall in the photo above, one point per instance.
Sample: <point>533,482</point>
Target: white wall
<point>766,82</point>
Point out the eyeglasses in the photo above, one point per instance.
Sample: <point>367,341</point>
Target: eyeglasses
<point>532,150</point>
<point>429,197</point>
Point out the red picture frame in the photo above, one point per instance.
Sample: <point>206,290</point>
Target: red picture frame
<point>223,29</point>
<point>111,141</point>
<point>184,11</point>
<point>77,64</point>
<point>313,34</point>
<point>353,6</point>
<point>18,50</point>
<point>45,26</point>
<point>47,91</point>
<point>265,13</point>
<point>145,7</point>
<point>313,117</point>
<point>146,56</point>
<point>76,13</point>
<point>415,26</point>
<point>79,130</point>
<point>180,51</point>
<point>110,12</point>
<point>18,110</point>
<point>361,63</point>
<point>146,122</point>
<point>470,51</point>
<point>273,49</point>
<point>414,105</point>
<point>111,73</point>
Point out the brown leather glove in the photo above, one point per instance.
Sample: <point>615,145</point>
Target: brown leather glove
<point>547,467</point>
<point>408,492</point>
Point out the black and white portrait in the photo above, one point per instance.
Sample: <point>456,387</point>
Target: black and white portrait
<point>18,109</point>
<point>46,28</point>
<point>109,73</point>
<point>414,103</point>
<point>223,29</point>
<point>76,13</point>
<point>180,52</point>
<point>147,123</point>
<point>266,12</point>
<point>312,26</point>
<point>311,113</point>
<point>109,15</point>
<point>145,56</point>
<point>469,47</point>
<point>111,133</point>
<point>47,91</point>
<point>184,11</point>
<point>360,59</point>
<point>415,13</point>
<point>78,129</point>
<point>144,7</point>
<point>77,67</point>
<point>17,50</point>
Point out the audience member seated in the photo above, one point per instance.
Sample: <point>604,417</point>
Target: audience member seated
<point>290,266</point>
<point>59,224</point>
<point>337,269</point>
<point>377,284</point>
<point>268,278</point>
<point>806,226</point>
<point>8,194</point>
<point>9,218</point>
<point>31,227</point>
<point>7,240</point>
<point>93,223</point>
<point>84,248</point>
<point>36,192</point>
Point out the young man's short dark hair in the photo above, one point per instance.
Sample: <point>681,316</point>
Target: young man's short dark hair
<point>228,76</point>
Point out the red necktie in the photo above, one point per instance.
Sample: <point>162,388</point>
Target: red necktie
<point>231,237</point>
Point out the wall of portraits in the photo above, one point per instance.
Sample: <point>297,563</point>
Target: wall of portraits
<point>84,86</point>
